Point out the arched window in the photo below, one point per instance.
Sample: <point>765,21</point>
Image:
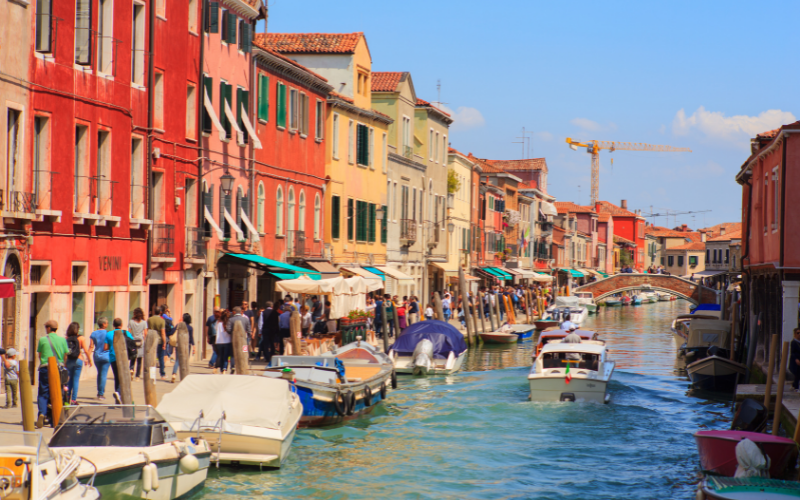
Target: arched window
<point>260,208</point>
<point>279,211</point>
<point>301,217</point>
<point>317,213</point>
<point>430,201</point>
<point>290,223</point>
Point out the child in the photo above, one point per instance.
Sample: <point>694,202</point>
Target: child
<point>429,312</point>
<point>461,317</point>
<point>305,320</point>
<point>11,377</point>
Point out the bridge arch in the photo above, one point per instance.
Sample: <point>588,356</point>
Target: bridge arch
<point>683,288</point>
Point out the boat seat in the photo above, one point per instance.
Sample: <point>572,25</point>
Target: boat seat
<point>362,372</point>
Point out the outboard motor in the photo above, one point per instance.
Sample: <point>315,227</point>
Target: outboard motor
<point>423,357</point>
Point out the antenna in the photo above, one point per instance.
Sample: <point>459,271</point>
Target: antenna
<point>439,92</point>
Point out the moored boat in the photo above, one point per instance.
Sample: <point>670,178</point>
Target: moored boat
<point>523,331</point>
<point>586,299</point>
<point>747,488</point>
<point>544,323</point>
<point>339,385</point>
<point>613,302</point>
<point>703,334</point>
<point>680,326</point>
<point>240,429</point>
<point>571,372</point>
<point>131,451</point>
<point>29,469</point>
<point>716,373</point>
<point>636,300</point>
<point>567,305</point>
<point>663,297</point>
<point>549,336</point>
<point>428,348</point>
<point>499,337</point>
<point>717,450</point>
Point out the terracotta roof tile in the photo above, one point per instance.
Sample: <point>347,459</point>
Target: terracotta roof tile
<point>626,241</point>
<point>421,103</point>
<point>286,59</point>
<point>526,164</point>
<point>695,245</point>
<point>342,97</point>
<point>564,207</point>
<point>310,43</point>
<point>733,235</point>
<point>603,217</point>
<point>386,81</point>
<point>714,231</point>
<point>612,209</point>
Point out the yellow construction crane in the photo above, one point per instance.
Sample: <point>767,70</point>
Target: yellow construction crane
<point>594,148</point>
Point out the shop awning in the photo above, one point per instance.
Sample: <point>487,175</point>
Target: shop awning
<point>706,274</point>
<point>400,276</point>
<point>512,272</point>
<point>325,268</point>
<point>377,272</point>
<point>7,287</point>
<point>601,273</point>
<point>449,270</point>
<point>543,278</point>
<point>470,277</point>
<point>548,208</point>
<point>358,271</point>
<point>497,272</point>
<point>250,227</point>
<point>278,269</point>
<point>572,272</point>
<point>233,224</point>
<point>590,271</point>
<point>525,274</point>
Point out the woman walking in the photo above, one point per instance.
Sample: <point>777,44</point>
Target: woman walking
<point>100,355</point>
<point>401,314</point>
<point>223,346</point>
<point>138,328</point>
<point>74,361</point>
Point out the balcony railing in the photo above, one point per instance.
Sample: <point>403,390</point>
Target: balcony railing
<point>21,202</point>
<point>408,230</point>
<point>300,245</point>
<point>163,240</point>
<point>432,230</point>
<point>195,244</point>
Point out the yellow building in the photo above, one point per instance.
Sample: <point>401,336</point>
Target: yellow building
<point>355,162</point>
<point>459,206</point>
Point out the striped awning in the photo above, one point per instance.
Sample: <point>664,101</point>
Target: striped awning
<point>498,273</point>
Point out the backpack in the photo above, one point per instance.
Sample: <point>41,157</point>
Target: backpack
<point>74,347</point>
<point>169,328</point>
<point>130,345</point>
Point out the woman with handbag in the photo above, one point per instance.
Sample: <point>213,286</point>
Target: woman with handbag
<point>138,328</point>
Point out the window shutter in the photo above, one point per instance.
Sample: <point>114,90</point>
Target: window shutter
<point>229,99</point>
<point>231,28</point>
<point>336,216</point>
<point>223,120</point>
<point>83,31</point>
<point>246,104</point>
<point>224,26</point>
<point>281,108</point>
<point>263,97</point>
<point>213,17</point>
<point>241,34</point>
<point>383,225</point>
<point>208,87</point>
<point>350,215</point>
<point>372,217</point>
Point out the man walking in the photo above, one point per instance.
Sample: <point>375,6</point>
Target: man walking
<point>268,333</point>
<point>316,308</point>
<point>157,323</point>
<point>51,345</point>
<point>284,325</point>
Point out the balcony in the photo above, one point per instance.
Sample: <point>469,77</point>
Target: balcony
<point>433,233</point>
<point>408,152</point>
<point>301,246</point>
<point>408,232</point>
<point>195,245</point>
<point>163,243</point>
<point>20,206</point>
<point>92,199</point>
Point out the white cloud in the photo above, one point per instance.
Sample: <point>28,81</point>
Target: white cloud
<point>592,126</point>
<point>715,125</point>
<point>465,118</point>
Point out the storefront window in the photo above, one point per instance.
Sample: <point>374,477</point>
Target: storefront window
<point>103,306</point>
<point>79,309</point>
<point>134,301</point>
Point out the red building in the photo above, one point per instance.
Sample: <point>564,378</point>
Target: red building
<point>290,168</point>
<point>73,195</point>
<point>629,228</point>
<point>770,180</point>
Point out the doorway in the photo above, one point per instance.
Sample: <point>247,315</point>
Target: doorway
<point>159,295</point>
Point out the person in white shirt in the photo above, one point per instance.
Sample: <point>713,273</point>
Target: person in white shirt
<point>305,320</point>
<point>429,312</point>
<point>567,324</point>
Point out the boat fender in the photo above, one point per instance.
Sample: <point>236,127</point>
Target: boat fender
<point>189,464</point>
<point>383,390</point>
<point>147,478</point>
<point>394,379</point>
<point>367,395</point>
<point>351,407</point>
<point>154,472</point>
<point>700,495</point>
<point>341,403</point>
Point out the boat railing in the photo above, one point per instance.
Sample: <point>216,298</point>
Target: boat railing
<point>220,423</point>
<point>90,483</point>
<point>197,421</point>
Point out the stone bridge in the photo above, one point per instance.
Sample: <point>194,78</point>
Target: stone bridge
<point>683,288</point>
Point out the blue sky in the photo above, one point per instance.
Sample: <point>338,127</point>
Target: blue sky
<point>703,75</point>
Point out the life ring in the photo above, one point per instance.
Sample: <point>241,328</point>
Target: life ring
<point>383,390</point>
<point>394,379</point>
<point>341,402</point>
<point>367,395</point>
<point>351,400</point>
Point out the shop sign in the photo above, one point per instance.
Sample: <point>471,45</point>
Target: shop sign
<point>110,263</point>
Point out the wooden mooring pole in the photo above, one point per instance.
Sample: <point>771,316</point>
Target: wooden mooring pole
<point>150,366</point>
<point>773,348</point>
<point>123,367</point>
<point>183,349</point>
<point>776,416</point>
<point>26,396</point>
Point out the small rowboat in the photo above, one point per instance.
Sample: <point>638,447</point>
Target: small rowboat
<point>499,338</point>
<point>613,302</point>
<point>544,323</point>
<point>523,331</point>
<point>717,450</point>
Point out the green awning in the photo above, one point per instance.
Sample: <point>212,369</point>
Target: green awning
<point>277,267</point>
<point>497,272</point>
<point>604,275</point>
<point>576,274</point>
<point>376,272</point>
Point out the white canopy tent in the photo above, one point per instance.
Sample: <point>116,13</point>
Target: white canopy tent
<point>346,294</point>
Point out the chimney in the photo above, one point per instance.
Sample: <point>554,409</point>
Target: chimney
<point>721,230</point>
<point>624,204</point>
<point>703,236</point>
<point>684,227</point>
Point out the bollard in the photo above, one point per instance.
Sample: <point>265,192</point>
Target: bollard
<point>26,396</point>
<point>437,305</point>
<point>183,349</point>
<point>462,284</point>
<point>150,366</point>
<point>123,367</point>
<point>294,330</point>
<point>56,389</point>
<point>472,302</point>
<point>241,358</point>
<point>385,328</point>
<point>773,348</point>
<point>479,306</point>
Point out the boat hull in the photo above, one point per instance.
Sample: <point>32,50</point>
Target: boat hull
<point>405,365</point>
<point>549,389</point>
<point>243,449</point>
<point>523,331</point>
<point>544,323</point>
<point>748,488</point>
<point>613,303</point>
<point>319,408</point>
<point>499,338</point>
<point>715,374</point>
<point>717,450</point>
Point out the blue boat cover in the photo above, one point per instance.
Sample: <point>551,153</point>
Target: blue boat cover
<point>707,307</point>
<point>445,339</point>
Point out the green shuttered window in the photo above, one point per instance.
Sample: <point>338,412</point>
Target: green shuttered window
<point>371,227</point>
<point>362,145</point>
<point>263,97</point>
<point>383,225</point>
<point>208,88</point>
<point>225,95</point>
<point>336,216</point>
<point>245,36</point>
<point>242,101</point>
<point>361,220</point>
<point>350,215</point>
<point>212,17</point>
<point>281,107</point>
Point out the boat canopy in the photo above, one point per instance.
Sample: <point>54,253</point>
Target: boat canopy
<point>445,339</point>
<point>246,400</point>
<point>708,332</point>
<point>707,307</point>
<point>567,301</point>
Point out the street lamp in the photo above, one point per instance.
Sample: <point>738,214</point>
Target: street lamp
<point>451,227</point>
<point>379,213</point>
<point>227,183</point>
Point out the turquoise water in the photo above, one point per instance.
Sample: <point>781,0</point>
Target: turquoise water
<point>475,435</point>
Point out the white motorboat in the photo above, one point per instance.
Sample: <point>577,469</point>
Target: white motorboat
<point>429,347</point>
<point>564,306</point>
<point>586,299</point>
<point>130,451</point>
<point>29,469</point>
<point>246,419</point>
<point>571,372</point>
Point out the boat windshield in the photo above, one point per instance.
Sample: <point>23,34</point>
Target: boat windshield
<point>126,426</point>
<point>580,360</point>
<point>29,444</point>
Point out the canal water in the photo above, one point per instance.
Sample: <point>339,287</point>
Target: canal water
<point>474,434</point>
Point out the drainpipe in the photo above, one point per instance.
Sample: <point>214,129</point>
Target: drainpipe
<point>201,109</point>
<point>150,103</point>
<point>251,114</point>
